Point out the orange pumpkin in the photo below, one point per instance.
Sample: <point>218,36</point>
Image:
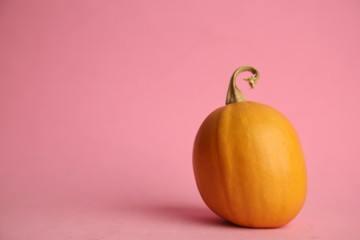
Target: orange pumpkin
<point>248,163</point>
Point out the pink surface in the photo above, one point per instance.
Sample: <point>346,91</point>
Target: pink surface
<point>100,102</point>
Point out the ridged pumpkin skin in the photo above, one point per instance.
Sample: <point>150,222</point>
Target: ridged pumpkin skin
<point>249,166</point>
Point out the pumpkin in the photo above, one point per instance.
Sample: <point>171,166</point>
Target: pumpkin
<point>248,162</point>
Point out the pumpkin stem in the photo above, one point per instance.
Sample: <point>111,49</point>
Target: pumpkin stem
<point>234,95</point>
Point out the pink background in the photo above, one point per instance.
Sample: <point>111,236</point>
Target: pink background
<point>100,102</point>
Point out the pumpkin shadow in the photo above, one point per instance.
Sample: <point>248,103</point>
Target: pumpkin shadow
<point>188,214</point>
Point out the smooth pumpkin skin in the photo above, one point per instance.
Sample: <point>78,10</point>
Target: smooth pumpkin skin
<point>249,166</point>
